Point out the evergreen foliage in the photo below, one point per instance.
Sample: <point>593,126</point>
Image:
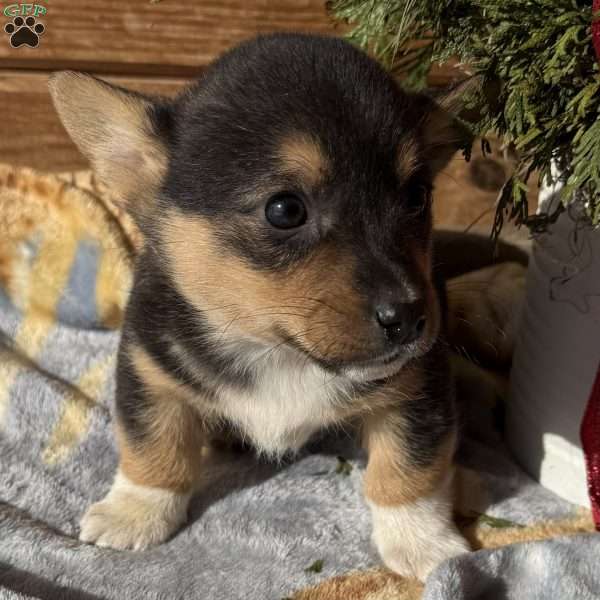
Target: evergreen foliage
<point>540,80</point>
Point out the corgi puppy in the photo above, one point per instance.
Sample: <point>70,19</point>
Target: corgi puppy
<point>285,284</point>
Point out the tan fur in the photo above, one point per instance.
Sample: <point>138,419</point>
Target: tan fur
<point>157,382</point>
<point>313,309</point>
<point>170,458</point>
<point>302,155</point>
<point>484,308</point>
<point>375,584</point>
<point>482,536</point>
<point>390,479</point>
<point>408,159</point>
<point>112,128</point>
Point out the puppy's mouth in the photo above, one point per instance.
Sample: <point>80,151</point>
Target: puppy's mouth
<point>365,370</point>
<point>380,367</point>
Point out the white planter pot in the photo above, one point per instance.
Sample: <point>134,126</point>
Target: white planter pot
<point>557,355</point>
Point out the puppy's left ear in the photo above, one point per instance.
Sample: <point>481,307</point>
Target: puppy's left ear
<point>117,130</point>
<point>444,129</point>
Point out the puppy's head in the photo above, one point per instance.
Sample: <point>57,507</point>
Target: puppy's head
<point>288,194</point>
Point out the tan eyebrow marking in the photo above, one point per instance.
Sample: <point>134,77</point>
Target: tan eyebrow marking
<point>301,153</point>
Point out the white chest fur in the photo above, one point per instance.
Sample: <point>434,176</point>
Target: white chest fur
<point>292,399</point>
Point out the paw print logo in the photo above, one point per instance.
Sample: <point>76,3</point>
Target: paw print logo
<point>24,32</point>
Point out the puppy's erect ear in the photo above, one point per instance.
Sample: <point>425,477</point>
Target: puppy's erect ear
<point>444,130</point>
<point>116,130</point>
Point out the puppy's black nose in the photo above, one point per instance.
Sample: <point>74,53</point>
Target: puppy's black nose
<point>403,322</point>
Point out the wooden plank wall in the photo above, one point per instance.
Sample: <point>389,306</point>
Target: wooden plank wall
<point>154,46</point>
<point>147,45</point>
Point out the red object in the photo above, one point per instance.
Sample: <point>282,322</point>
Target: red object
<point>596,30</point>
<point>590,440</point>
<point>590,426</point>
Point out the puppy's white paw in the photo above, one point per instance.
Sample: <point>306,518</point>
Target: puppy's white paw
<point>414,538</point>
<point>419,557</point>
<point>133,516</point>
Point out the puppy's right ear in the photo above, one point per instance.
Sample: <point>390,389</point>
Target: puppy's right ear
<point>118,131</point>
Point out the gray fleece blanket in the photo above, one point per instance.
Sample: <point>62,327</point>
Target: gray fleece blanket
<point>260,531</point>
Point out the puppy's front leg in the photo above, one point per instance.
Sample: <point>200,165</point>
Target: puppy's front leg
<point>160,442</point>
<point>408,487</point>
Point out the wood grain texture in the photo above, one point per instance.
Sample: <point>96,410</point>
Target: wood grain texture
<point>149,45</point>
<point>169,37</point>
<point>31,133</point>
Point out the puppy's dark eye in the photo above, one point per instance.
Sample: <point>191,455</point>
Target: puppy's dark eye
<point>285,211</point>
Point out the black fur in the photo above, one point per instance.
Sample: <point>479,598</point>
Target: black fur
<point>431,416</point>
<point>225,130</point>
<point>222,137</point>
<point>132,400</point>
